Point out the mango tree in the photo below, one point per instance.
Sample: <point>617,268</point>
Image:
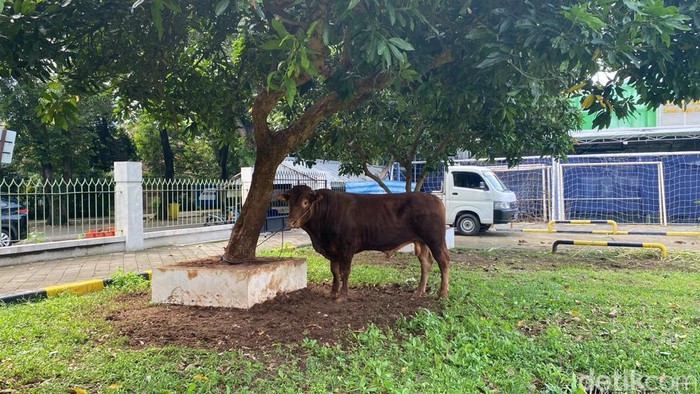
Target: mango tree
<point>303,61</point>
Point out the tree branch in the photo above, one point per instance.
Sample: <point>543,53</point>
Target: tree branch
<point>438,151</point>
<point>387,166</point>
<point>375,178</point>
<point>365,168</point>
<point>262,106</point>
<point>303,128</point>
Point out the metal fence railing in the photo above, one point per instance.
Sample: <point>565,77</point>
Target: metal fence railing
<point>36,211</point>
<point>644,188</point>
<point>40,210</point>
<point>182,203</point>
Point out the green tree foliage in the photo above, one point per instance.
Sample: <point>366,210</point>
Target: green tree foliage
<point>87,142</point>
<point>196,152</point>
<point>423,125</point>
<point>496,61</point>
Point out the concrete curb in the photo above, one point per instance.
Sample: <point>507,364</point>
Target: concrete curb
<point>82,287</point>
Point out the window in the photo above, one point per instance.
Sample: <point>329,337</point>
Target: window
<point>468,179</point>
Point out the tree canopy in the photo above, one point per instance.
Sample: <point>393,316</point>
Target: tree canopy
<point>496,70</point>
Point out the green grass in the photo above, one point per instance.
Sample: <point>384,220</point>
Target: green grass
<point>503,330</point>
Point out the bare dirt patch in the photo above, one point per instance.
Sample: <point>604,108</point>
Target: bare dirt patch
<point>287,319</point>
<point>216,261</point>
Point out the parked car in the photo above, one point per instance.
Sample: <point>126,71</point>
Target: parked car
<point>13,219</point>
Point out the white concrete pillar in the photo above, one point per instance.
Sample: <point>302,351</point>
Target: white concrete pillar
<point>246,181</point>
<point>557,203</point>
<point>128,203</point>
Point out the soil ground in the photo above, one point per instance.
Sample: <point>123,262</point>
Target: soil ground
<point>286,319</point>
<point>313,314</point>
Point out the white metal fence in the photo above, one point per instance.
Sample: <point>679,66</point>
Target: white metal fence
<point>181,203</point>
<point>85,208</point>
<point>635,188</point>
<point>57,210</point>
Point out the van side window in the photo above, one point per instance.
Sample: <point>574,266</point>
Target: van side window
<point>468,179</point>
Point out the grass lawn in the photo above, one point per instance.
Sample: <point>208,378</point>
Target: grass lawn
<point>515,322</point>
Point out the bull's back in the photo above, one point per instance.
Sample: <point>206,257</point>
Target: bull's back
<point>387,221</point>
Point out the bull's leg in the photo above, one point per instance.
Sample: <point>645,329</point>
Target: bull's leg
<point>426,262</point>
<point>335,270</point>
<point>344,275</point>
<point>442,256</point>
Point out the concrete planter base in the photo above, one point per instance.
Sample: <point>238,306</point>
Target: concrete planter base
<point>224,285</point>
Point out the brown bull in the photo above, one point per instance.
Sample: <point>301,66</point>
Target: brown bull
<point>343,224</point>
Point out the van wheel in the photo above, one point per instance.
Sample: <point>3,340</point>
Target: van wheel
<point>468,224</point>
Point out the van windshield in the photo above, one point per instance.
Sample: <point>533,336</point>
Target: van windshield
<point>494,181</point>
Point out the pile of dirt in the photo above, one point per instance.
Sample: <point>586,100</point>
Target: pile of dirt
<point>286,319</point>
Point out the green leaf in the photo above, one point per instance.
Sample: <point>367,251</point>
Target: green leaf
<point>326,34</point>
<point>156,9</point>
<point>387,58</point>
<point>666,39</point>
<point>352,4</point>
<point>381,47</point>
<point>304,59</point>
<point>397,54</point>
<point>279,28</point>
<point>492,59</point>
<point>400,43</point>
<point>272,45</point>
<point>172,6</point>
<point>220,7</point>
<point>633,5</point>
<point>290,91</point>
<point>311,29</point>
<point>409,75</point>
<point>269,80</point>
<point>2,5</point>
<point>392,13</point>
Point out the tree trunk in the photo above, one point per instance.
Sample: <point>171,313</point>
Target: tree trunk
<point>167,196</point>
<point>246,230</point>
<point>223,161</point>
<point>271,149</point>
<point>409,174</point>
<point>168,157</point>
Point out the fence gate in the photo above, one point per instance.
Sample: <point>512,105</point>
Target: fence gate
<point>627,192</point>
<point>532,186</point>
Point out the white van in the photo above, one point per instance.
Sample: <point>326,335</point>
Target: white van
<point>475,199</point>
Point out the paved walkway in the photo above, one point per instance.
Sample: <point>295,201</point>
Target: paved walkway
<point>34,276</point>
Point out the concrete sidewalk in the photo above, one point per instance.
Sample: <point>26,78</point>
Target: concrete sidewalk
<point>34,276</point>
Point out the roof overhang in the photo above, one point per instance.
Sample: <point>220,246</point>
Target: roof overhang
<point>641,134</point>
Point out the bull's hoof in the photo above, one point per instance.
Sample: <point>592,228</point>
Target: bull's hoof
<point>341,299</point>
<point>418,294</point>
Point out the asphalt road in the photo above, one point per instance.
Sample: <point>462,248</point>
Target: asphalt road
<point>512,236</point>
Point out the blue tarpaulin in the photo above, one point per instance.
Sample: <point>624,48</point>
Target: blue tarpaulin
<point>371,187</point>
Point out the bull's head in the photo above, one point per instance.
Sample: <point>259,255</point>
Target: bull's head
<point>301,200</point>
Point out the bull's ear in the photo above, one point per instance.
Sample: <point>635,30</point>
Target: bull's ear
<point>283,197</point>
